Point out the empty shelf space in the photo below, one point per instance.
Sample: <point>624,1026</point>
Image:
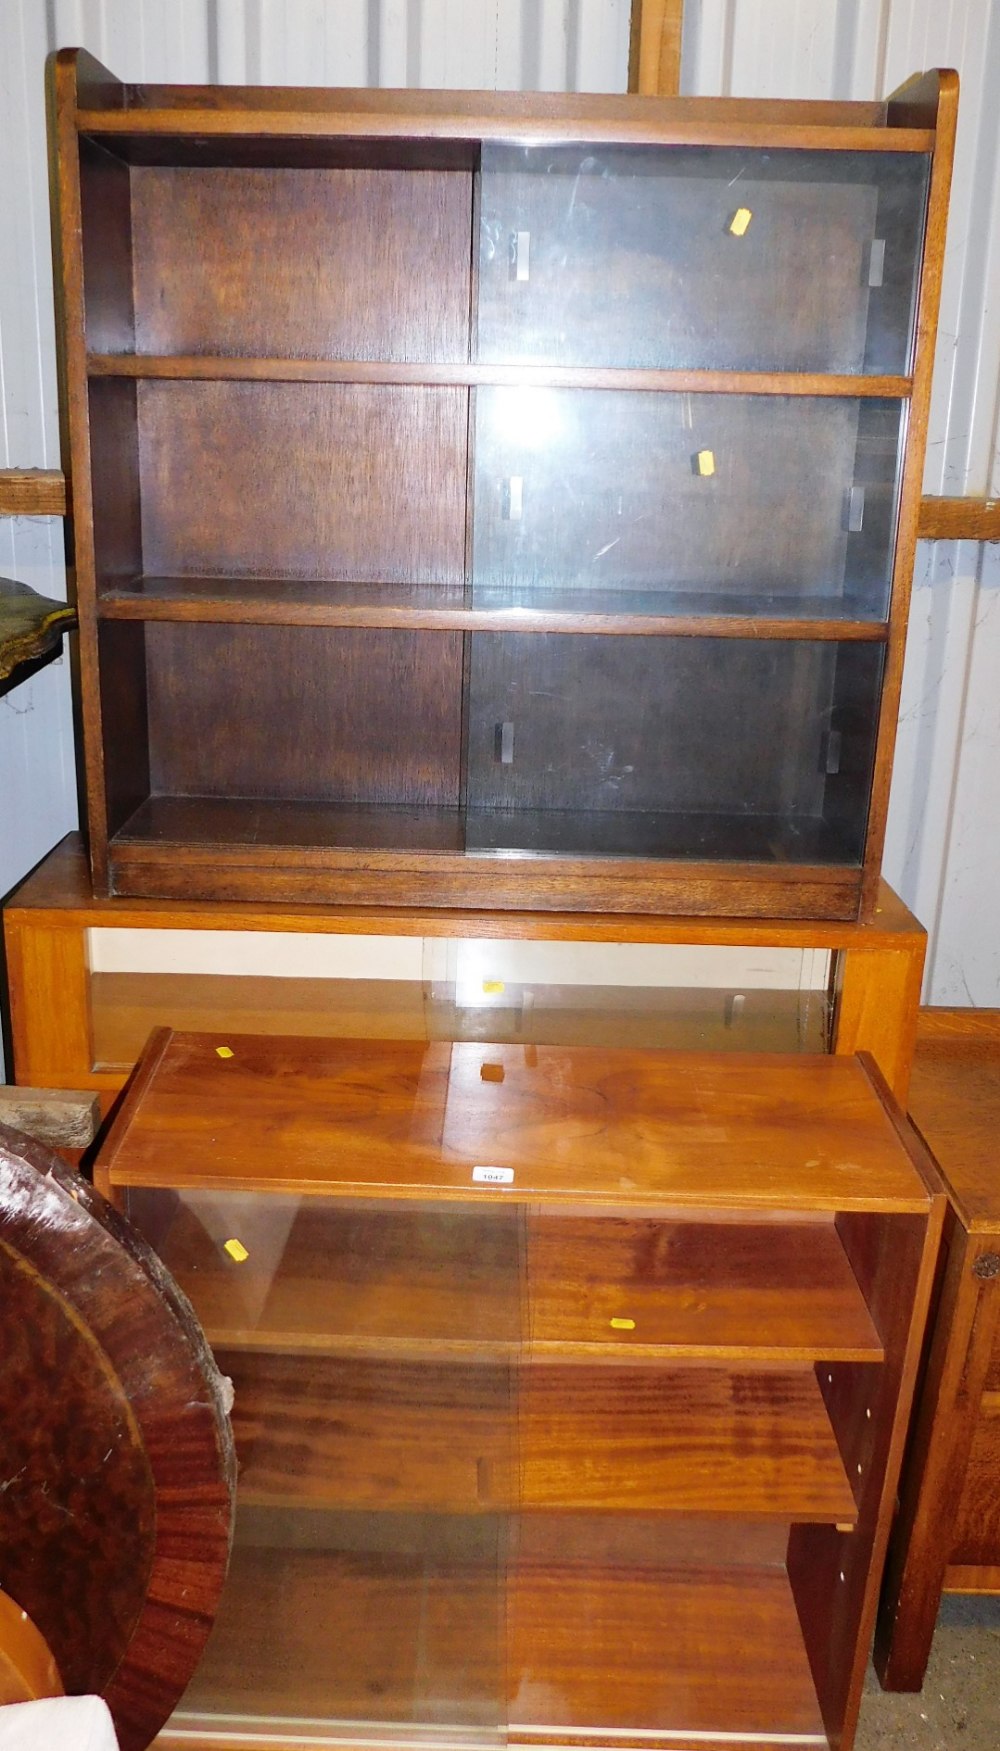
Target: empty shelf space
<point>766,1290</point>
<point>463,1438</point>
<point>353,1635</point>
<point>340,1278</point>
<point>259,826</point>
<point>321,1431</point>
<point>536,1633</point>
<point>125,1007</point>
<point>289,1275</point>
<point>684,1439</point>
<point>612,1649</point>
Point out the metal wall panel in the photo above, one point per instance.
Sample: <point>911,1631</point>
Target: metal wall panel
<point>943,844</point>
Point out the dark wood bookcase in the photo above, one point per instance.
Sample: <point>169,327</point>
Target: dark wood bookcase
<point>495,501</point>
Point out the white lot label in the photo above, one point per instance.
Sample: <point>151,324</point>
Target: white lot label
<point>493,1176</point>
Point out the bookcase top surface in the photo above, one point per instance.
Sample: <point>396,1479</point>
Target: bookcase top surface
<point>613,1128</point>
<point>105,104</point>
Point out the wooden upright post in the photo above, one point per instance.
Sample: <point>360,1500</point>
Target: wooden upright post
<point>654,68</point>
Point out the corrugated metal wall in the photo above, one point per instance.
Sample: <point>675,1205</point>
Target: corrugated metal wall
<point>943,846</point>
<point>944,842</point>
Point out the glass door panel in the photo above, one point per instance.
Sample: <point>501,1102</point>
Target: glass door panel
<point>672,747</point>
<point>603,501</point>
<point>698,256</point>
<point>372,1349</point>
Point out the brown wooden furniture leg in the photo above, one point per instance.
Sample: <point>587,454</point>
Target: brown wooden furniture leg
<point>48,982</point>
<point>877,1000</point>
<point>964,1324</point>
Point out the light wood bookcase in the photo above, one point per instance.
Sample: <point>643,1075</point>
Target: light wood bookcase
<point>57,1032</point>
<point>571,1384</point>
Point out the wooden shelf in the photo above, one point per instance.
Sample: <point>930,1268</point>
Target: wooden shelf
<point>324,1432</point>
<point>714,1650</point>
<point>760,464</point>
<point>443,607</point>
<point>348,1280</point>
<point>402,1634</point>
<point>201,367</point>
<point>702,1513</point>
<point>151,124</point>
<point>125,1007</point>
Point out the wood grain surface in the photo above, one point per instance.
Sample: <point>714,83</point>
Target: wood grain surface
<point>32,492</point>
<point>955,1102</point>
<point>399,1119</point>
<point>115,1539</point>
<point>776,1290</point>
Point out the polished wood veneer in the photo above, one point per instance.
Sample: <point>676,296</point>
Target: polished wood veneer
<point>643,1402</point>
<point>393,1119</point>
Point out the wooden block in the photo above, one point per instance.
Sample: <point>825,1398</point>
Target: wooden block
<point>64,1118</point>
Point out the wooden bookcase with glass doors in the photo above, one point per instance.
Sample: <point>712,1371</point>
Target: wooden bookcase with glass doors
<point>499,501</point>
<point>570,1383</point>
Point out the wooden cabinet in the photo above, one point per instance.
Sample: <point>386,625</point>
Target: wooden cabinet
<point>495,501</point>
<point>947,1534</point>
<point>570,1384</point>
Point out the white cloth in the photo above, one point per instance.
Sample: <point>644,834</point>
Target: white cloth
<point>58,1723</point>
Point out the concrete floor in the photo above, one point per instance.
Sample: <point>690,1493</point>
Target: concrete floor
<point>959,1706</point>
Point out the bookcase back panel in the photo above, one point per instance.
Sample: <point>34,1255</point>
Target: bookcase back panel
<point>731,501</point>
<point>303,480</point>
<point>682,256</point>
<point>314,713</point>
<point>702,727</point>
<point>336,263</point>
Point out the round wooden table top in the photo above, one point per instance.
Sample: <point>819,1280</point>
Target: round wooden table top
<point>117,1468</point>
